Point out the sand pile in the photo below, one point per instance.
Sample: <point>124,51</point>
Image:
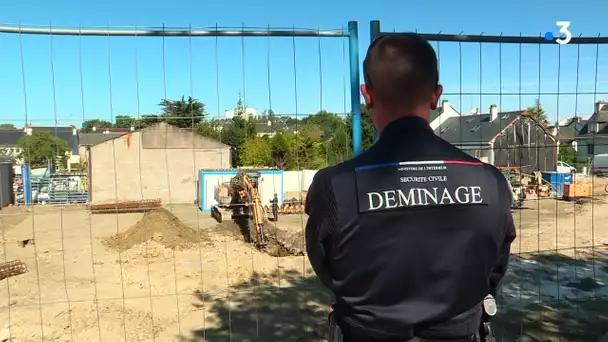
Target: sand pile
<point>160,226</point>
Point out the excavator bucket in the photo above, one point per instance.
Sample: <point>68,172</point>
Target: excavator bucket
<point>217,214</point>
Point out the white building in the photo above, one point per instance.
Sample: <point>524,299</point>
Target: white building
<point>229,114</point>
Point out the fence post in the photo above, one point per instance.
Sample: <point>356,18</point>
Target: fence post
<point>355,97</point>
<point>374,32</point>
<point>27,183</point>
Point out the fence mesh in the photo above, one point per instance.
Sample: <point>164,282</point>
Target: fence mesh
<point>536,111</point>
<point>118,236</point>
<point>119,242</point>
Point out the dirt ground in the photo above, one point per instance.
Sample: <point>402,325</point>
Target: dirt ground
<point>219,288</point>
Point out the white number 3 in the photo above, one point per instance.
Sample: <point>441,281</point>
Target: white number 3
<point>563,29</point>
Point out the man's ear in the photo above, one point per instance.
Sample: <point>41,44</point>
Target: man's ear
<point>367,96</point>
<point>436,96</point>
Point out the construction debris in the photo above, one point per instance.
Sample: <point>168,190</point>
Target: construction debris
<point>291,206</point>
<point>12,268</point>
<point>126,206</point>
<point>160,226</point>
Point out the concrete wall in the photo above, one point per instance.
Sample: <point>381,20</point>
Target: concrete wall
<point>122,169</point>
<point>298,181</point>
<point>6,184</point>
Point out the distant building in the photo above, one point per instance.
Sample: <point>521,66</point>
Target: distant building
<point>592,139</point>
<point>503,139</point>
<point>159,161</point>
<point>9,140</point>
<point>229,114</point>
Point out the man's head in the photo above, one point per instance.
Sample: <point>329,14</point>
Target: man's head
<point>401,78</point>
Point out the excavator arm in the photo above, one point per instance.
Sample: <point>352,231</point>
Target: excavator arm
<point>256,207</point>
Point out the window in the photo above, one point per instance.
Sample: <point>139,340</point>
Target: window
<point>590,149</point>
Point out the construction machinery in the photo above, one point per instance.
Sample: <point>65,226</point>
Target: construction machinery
<point>239,200</point>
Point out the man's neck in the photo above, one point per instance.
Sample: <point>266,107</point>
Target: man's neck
<point>384,120</point>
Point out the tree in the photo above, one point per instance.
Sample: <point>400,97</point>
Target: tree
<point>367,129</point>
<point>281,145</point>
<point>183,113</point>
<point>210,129</point>
<point>537,112</point>
<point>7,126</point>
<point>40,147</point>
<point>256,152</point>
<point>567,154</point>
<point>309,149</point>
<point>148,119</point>
<point>87,126</point>
<point>125,121</point>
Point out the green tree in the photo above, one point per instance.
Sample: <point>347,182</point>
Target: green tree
<point>281,145</point>
<point>148,119</point>
<point>185,113</point>
<point>100,125</point>
<point>367,129</point>
<point>40,147</point>
<point>125,121</point>
<point>309,148</point>
<point>567,154</point>
<point>256,152</point>
<point>537,112</point>
<point>7,126</point>
<point>210,129</point>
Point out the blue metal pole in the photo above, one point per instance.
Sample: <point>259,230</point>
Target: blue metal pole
<point>27,184</point>
<point>355,96</point>
<point>374,32</point>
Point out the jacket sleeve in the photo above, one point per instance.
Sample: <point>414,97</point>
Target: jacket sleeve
<point>508,227</point>
<point>322,219</point>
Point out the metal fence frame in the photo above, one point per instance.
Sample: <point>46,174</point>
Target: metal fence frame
<point>352,33</point>
<point>376,32</point>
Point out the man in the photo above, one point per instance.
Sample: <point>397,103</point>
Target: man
<point>275,207</point>
<point>412,234</point>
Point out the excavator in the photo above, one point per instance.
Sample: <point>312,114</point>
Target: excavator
<point>239,200</point>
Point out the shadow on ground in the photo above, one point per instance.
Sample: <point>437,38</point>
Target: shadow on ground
<point>545,297</point>
<point>553,297</point>
<point>260,310</point>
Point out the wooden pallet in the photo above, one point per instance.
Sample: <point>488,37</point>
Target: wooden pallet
<point>126,206</point>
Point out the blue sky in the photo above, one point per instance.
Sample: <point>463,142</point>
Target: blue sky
<point>114,68</point>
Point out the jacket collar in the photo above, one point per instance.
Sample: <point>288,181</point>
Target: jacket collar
<point>406,125</point>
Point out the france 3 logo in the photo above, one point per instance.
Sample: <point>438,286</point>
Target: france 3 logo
<point>564,33</point>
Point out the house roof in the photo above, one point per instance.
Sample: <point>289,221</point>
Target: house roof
<point>10,137</point>
<point>601,118</point>
<point>90,139</point>
<point>566,132</point>
<point>475,128</point>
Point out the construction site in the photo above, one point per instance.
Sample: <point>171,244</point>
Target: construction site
<point>162,272</point>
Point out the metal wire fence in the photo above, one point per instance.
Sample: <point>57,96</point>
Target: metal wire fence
<point>527,104</point>
<point>105,271</point>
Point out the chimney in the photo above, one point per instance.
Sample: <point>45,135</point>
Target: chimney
<point>601,106</point>
<point>493,113</point>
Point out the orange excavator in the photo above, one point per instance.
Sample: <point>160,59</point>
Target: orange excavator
<point>245,205</point>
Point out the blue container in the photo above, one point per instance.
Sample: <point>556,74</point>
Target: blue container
<point>557,180</point>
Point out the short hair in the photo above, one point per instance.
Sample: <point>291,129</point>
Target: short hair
<point>401,69</point>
